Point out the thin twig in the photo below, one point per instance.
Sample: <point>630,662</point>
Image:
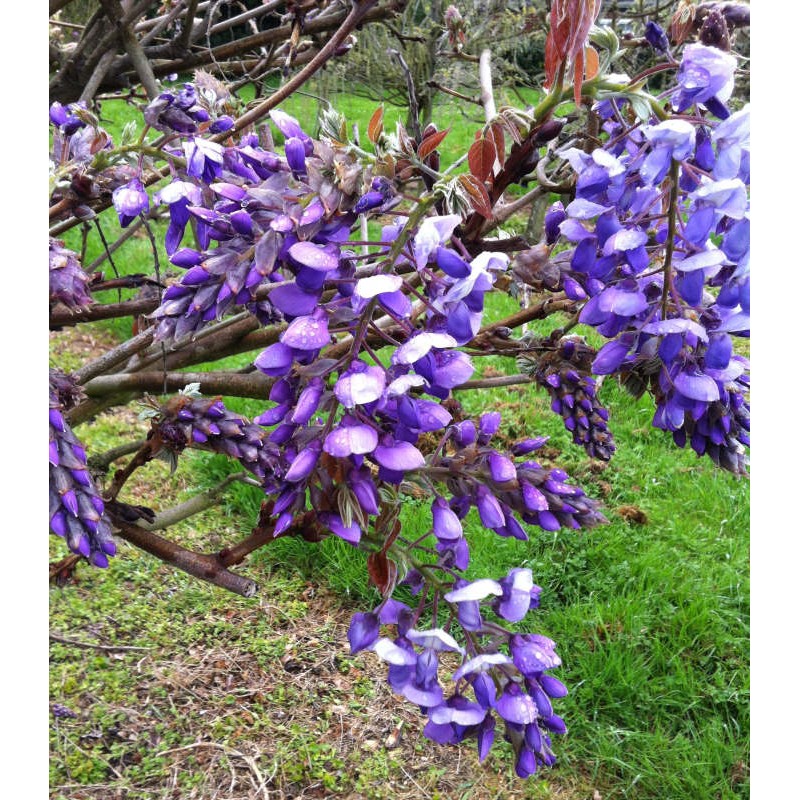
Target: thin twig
<point>57,637</point>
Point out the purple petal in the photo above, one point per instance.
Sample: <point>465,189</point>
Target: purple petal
<point>501,468</point>
<point>477,590</point>
<point>434,639</point>
<point>313,256</point>
<point>351,440</point>
<point>697,386</point>
<point>446,524</point>
<point>515,706</point>
<point>400,457</point>
<point>357,388</point>
<point>306,333</point>
<point>419,345</point>
<point>276,360</point>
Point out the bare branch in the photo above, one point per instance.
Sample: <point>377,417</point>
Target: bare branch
<point>63,317</point>
<point>493,383</point>
<point>485,78</point>
<point>197,503</point>
<point>232,384</point>
<point>208,568</point>
<point>355,16</point>
<point>113,357</point>
<point>102,461</point>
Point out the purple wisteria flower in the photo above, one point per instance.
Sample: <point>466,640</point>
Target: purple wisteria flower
<point>130,200</point>
<point>705,77</point>
<point>69,284</point>
<point>77,512</point>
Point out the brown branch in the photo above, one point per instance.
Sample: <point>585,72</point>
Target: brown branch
<point>113,357</point>
<point>140,62</point>
<point>558,302</point>
<point>491,383</point>
<point>186,34</point>
<point>245,17</point>
<point>355,16</point>
<point>61,317</point>
<point>304,525</point>
<point>447,90</point>
<point>144,454</point>
<point>100,71</point>
<point>209,568</point>
<point>505,211</point>
<point>196,504</point>
<point>102,461</point>
<point>254,385</point>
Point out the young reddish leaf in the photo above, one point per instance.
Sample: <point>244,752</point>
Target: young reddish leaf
<point>404,140</point>
<point>495,133</point>
<point>430,143</point>
<point>592,62</point>
<point>508,122</point>
<point>375,127</point>
<point>382,572</point>
<point>481,157</point>
<point>477,194</point>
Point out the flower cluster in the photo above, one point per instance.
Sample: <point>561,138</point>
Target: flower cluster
<point>278,222</point>
<point>69,284</point>
<point>205,423</point>
<point>76,508</point>
<point>514,685</point>
<point>564,371</point>
<point>658,254</point>
<point>188,111</point>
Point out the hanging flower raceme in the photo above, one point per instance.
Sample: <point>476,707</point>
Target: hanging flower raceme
<point>668,333</point>
<point>76,508</point>
<point>189,420</point>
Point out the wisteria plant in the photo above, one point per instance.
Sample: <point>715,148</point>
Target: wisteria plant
<point>358,344</point>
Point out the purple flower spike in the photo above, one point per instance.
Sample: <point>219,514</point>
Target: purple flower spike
<point>130,200</point>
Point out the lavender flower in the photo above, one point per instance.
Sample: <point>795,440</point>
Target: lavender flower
<point>69,284</point>
<point>130,200</point>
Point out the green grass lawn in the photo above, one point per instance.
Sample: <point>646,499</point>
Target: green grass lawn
<point>650,613</point>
